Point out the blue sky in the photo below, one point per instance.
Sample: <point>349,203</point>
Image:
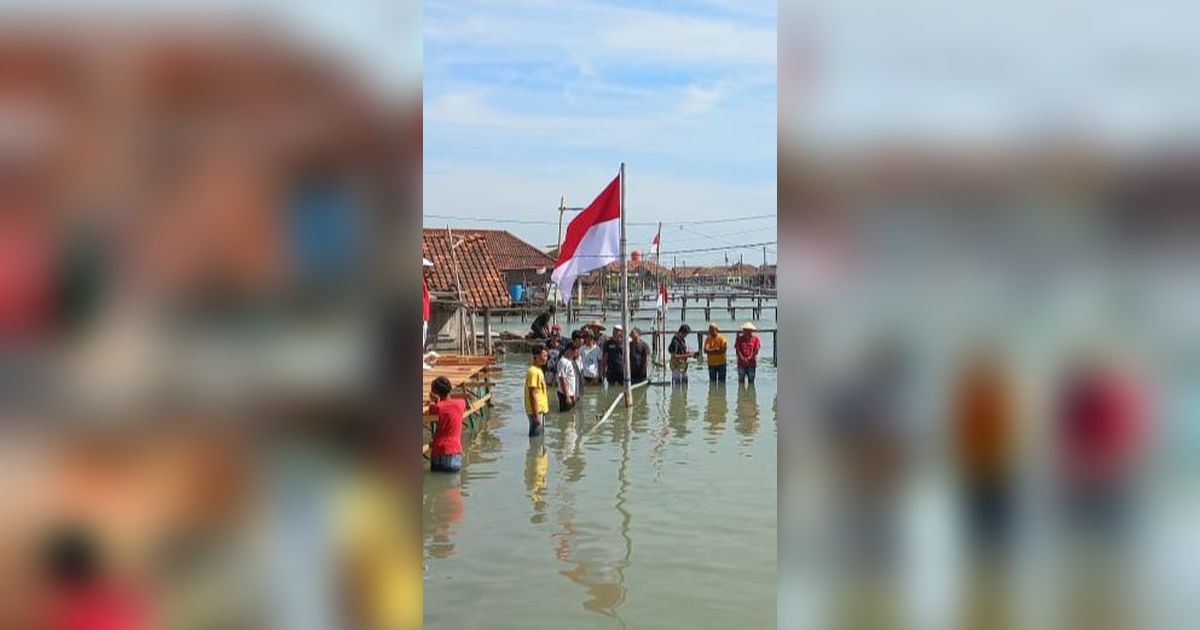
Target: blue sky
<point>529,100</point>
<point>993,73</point>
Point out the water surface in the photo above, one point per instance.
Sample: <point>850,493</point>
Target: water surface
<point>660,518</point>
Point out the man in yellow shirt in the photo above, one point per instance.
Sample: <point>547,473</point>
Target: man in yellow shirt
<point>537,404</point>
<point>714,349</point>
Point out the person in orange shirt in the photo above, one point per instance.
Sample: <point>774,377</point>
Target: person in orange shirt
<point>715,347</point>
<point>984,432</point>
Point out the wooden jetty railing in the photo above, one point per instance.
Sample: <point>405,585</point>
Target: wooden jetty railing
<point>755,305</point>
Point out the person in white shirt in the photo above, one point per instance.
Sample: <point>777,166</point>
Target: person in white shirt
<point>568,379</point>
<point>590,358</point>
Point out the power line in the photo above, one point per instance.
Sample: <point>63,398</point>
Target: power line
<point>642,223</point>
<point>707,221</point>
<point>520,221</point>
<point>695,250</point>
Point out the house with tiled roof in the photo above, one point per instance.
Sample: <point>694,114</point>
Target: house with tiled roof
<point>463,281</point>
<point>519,262</point>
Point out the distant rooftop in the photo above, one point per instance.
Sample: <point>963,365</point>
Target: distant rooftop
<point>509,252</point>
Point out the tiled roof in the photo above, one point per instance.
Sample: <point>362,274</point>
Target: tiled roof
<point>510,252</point>
<point>483,283</point>
<point>737,269</point>
<point>639,265</point>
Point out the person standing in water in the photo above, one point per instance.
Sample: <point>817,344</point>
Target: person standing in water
<point>589,356</point>
<point>679,355</point>
<point>567,378</point>
<point>639,357</point>
<point>747,347</point>
<point>715,347</point>
<point>536,402</point>
<point>613,357</point>
<point>445,451</point>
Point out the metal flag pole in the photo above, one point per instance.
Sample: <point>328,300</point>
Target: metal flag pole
<point>625,294</point>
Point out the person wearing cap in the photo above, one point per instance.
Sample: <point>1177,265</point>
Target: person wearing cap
<point>597,330</point>
<point>747,346</point>
<point>679,355</point>
<point>639,357</point>
<point>613,357</point>
<point>715,347</point>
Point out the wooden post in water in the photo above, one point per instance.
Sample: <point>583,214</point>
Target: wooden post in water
<point>474,336</point>
<point>462,329</point>
<point>487,331</point>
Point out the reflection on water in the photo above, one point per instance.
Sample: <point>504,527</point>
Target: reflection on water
<point>716,412</point>
<point>747,411</point>
<point>613,514</point>
<point>443,511</point>
<point>537,463</point>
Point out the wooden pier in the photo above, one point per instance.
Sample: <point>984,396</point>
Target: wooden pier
<point>643,307</point>
<point>471,377</point>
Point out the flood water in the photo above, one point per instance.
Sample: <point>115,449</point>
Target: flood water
<point>661,518</point>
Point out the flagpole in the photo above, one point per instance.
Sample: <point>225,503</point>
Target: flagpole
<point>625,295</point>
<point>661,315</point>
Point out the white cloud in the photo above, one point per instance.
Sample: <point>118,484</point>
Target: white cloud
<point>657,37</point>
<point>698,99</point>
<point>593,31</point>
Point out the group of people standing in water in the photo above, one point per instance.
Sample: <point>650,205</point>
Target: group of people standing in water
<point>590,357</point>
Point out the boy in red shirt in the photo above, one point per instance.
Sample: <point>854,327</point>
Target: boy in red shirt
<point>747,346</point>
<point>83,593</point>
<point>445,452</point>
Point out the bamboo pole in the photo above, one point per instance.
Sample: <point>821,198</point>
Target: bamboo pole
<point>612,406</point>
<point>625,295</point>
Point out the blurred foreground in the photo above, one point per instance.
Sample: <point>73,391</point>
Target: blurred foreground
<point>993,218</point>
<point>196,289</point>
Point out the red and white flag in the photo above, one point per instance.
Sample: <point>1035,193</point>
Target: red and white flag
<point>593,239</point>
<point>662,299</point>
<point>655,244</point>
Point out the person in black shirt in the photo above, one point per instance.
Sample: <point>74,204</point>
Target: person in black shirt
<point>540,328</point>
<point>639,357</point>
<point>679,355</point>
<point>613,358</point>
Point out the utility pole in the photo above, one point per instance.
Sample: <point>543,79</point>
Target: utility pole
<point>625,296</point>
<point>563,209</point>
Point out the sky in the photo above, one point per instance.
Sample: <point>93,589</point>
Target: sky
<point>530,101</point>
<point>993,72</point>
